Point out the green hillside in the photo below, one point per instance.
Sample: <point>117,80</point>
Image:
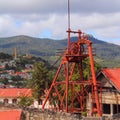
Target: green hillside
<point>107,54</point>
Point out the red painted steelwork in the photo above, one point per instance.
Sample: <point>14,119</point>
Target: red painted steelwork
<point>71,92</point>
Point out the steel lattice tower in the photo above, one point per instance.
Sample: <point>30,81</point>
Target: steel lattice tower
<point>68,94</point>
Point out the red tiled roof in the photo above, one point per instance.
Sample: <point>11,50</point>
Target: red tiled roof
<point>10,114</point>
<point>2,67</point>
<point>113,74</point>
<point>19,73</point>
<point>15,92</point>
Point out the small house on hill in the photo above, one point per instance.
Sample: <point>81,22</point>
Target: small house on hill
<point>110,80</point>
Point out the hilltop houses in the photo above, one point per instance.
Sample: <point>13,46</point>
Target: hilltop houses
<point>10,71</point>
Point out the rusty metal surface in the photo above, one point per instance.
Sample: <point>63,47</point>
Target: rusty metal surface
<point>67,92</point>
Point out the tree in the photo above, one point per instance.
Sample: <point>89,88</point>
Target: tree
<point>7,67</point>
<point>39,79</point>
<point>18,81</point>
<point>25,101</point>
<point>86,76</point>
<point>86,70</point>
<point>5,81</point>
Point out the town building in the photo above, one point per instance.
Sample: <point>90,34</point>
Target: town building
<point>110,81</point>
<point>110,99</point>
<point>11,114</point>
<point>11,96</point>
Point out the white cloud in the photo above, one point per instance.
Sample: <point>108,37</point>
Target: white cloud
<point>34,17</point>
<point>57,6</point>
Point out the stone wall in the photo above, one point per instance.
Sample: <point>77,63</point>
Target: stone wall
<point>48,115</point>
<point>39,114</point>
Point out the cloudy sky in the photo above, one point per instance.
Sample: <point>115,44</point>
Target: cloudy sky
<point>48,18</point>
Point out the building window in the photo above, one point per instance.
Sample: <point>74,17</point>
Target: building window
<point>106,109</point>
<point>116,108</point>
<point>6,101</point>
<point>14,101</point>
<point>39,102</point>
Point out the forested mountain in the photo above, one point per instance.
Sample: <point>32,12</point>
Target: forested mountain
<point>107,54</point>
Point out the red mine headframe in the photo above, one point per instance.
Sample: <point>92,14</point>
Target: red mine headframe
<point>69,90</point>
